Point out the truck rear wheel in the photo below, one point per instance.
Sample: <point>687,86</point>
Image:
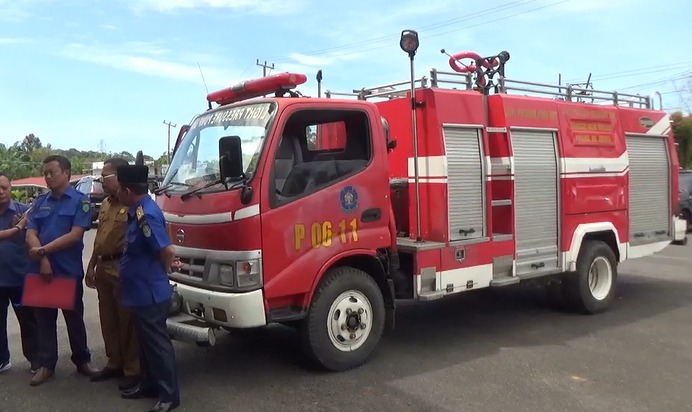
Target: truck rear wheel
<point>592,288</point>
<point>345,321</point>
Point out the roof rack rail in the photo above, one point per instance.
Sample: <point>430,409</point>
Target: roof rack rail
<point>385,91</point>
<point>504,85</point>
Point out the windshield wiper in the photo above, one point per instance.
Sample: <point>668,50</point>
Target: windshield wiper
<point>168,186</point>
<point>225,182</point>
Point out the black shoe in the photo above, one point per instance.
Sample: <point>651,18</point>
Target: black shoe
<point>139,391</point>
<point>128,383</point>
<point>164,406</point>
<point>106,374</point>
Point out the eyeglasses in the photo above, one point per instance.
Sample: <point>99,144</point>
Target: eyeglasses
<point>101,178</point>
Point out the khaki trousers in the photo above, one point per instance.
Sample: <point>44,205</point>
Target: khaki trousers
<point>117,326</point>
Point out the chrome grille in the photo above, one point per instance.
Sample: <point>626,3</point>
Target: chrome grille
<point>193,267</point>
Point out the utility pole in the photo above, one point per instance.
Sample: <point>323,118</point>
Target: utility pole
<point>265,66</point>
<point>168,153</point>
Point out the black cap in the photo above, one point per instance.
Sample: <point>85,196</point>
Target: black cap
<point>133,174</point>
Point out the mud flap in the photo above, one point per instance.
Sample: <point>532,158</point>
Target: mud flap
<point>390,307</point>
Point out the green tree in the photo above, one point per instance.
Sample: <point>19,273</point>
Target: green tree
<point>682,128</point>
<point>23,158</point>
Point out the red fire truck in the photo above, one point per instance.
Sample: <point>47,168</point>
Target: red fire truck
<point>322,213</point>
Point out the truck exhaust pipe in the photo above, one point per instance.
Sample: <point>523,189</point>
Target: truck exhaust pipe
<point>181,329</point>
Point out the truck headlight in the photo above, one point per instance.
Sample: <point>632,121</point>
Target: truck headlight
<point>226,275</point>
<point>248,273</point>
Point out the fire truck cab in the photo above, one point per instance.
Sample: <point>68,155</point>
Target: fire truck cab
<point>322,213</point>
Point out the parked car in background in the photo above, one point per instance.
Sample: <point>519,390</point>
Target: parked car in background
<point>92,188</point>
<point>685,198</point>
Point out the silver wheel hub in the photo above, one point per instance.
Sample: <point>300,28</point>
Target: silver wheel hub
<point>600,278</point>
<point>349,321</point>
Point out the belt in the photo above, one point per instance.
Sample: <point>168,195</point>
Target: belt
<point>106,258</point>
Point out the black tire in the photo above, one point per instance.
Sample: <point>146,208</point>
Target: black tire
<point>315,333</point>
<point>688,217</point>
<point>292,323</point>
<point>578,293</point>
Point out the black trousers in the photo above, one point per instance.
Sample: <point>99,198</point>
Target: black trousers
<point>76,330</point>
<point>27,325</point>
<point>157,356</point>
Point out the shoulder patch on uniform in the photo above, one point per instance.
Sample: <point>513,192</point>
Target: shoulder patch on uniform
<point>140,213</point>
<point>86,205</point>
<point>146,230</point>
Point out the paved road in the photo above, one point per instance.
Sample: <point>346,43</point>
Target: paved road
<point>498,351</point>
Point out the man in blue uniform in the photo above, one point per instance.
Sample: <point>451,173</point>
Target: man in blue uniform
<point>55,236</point>
<point>13,266</point>
<point>145,287</point>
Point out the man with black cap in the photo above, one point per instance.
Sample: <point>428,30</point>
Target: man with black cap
<point>144,267</point>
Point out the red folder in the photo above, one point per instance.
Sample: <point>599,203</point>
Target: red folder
<point>59,293</point>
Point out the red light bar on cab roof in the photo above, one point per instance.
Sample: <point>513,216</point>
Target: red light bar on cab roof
<point>256,88</point>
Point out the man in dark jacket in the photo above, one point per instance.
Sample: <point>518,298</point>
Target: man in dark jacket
<point>14,261</point>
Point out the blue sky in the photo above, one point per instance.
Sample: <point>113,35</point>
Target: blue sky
<point>75,72</point>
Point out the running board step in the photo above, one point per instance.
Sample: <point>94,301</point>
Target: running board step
<point>426,297</point>
<point>508,281</point>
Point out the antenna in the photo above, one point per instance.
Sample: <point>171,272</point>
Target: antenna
<point>203,81</point>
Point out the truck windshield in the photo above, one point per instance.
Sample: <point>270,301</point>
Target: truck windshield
<point>196,160</point>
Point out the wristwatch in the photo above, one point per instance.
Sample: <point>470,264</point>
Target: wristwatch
<point>42,252</point>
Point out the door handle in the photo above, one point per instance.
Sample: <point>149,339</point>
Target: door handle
<point>371,215</point>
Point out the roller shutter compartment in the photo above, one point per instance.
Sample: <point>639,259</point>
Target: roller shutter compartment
<point>536,200</point>
<point>649,189</point>
<point>465,183</point>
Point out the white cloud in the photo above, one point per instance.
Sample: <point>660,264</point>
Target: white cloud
<point>149,59</point>
<point>358,35</point>
<point>327,59</point>
<point>110,27</point>
<point>18,10</point>
<point>268,7</point>
<point>13,40</point>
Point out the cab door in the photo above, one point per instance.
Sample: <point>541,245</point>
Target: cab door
<point>321,204</point>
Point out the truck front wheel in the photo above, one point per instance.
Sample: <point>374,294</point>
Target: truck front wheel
<point>345,321</point>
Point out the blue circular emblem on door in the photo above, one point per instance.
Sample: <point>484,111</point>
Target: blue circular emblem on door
<point>348,199</point>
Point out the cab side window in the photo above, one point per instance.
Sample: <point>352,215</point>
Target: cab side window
<point>317,149</point>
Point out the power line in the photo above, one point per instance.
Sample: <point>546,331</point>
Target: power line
<point>388,39</point>
<point>638,72</point>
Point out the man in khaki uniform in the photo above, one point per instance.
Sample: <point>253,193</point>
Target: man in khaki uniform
<point>119,336</point>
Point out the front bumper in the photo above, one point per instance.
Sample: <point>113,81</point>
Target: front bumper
<point>198,312</point>
<point>680,231</point>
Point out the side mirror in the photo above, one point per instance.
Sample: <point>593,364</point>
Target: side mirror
<point>230,157</point>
